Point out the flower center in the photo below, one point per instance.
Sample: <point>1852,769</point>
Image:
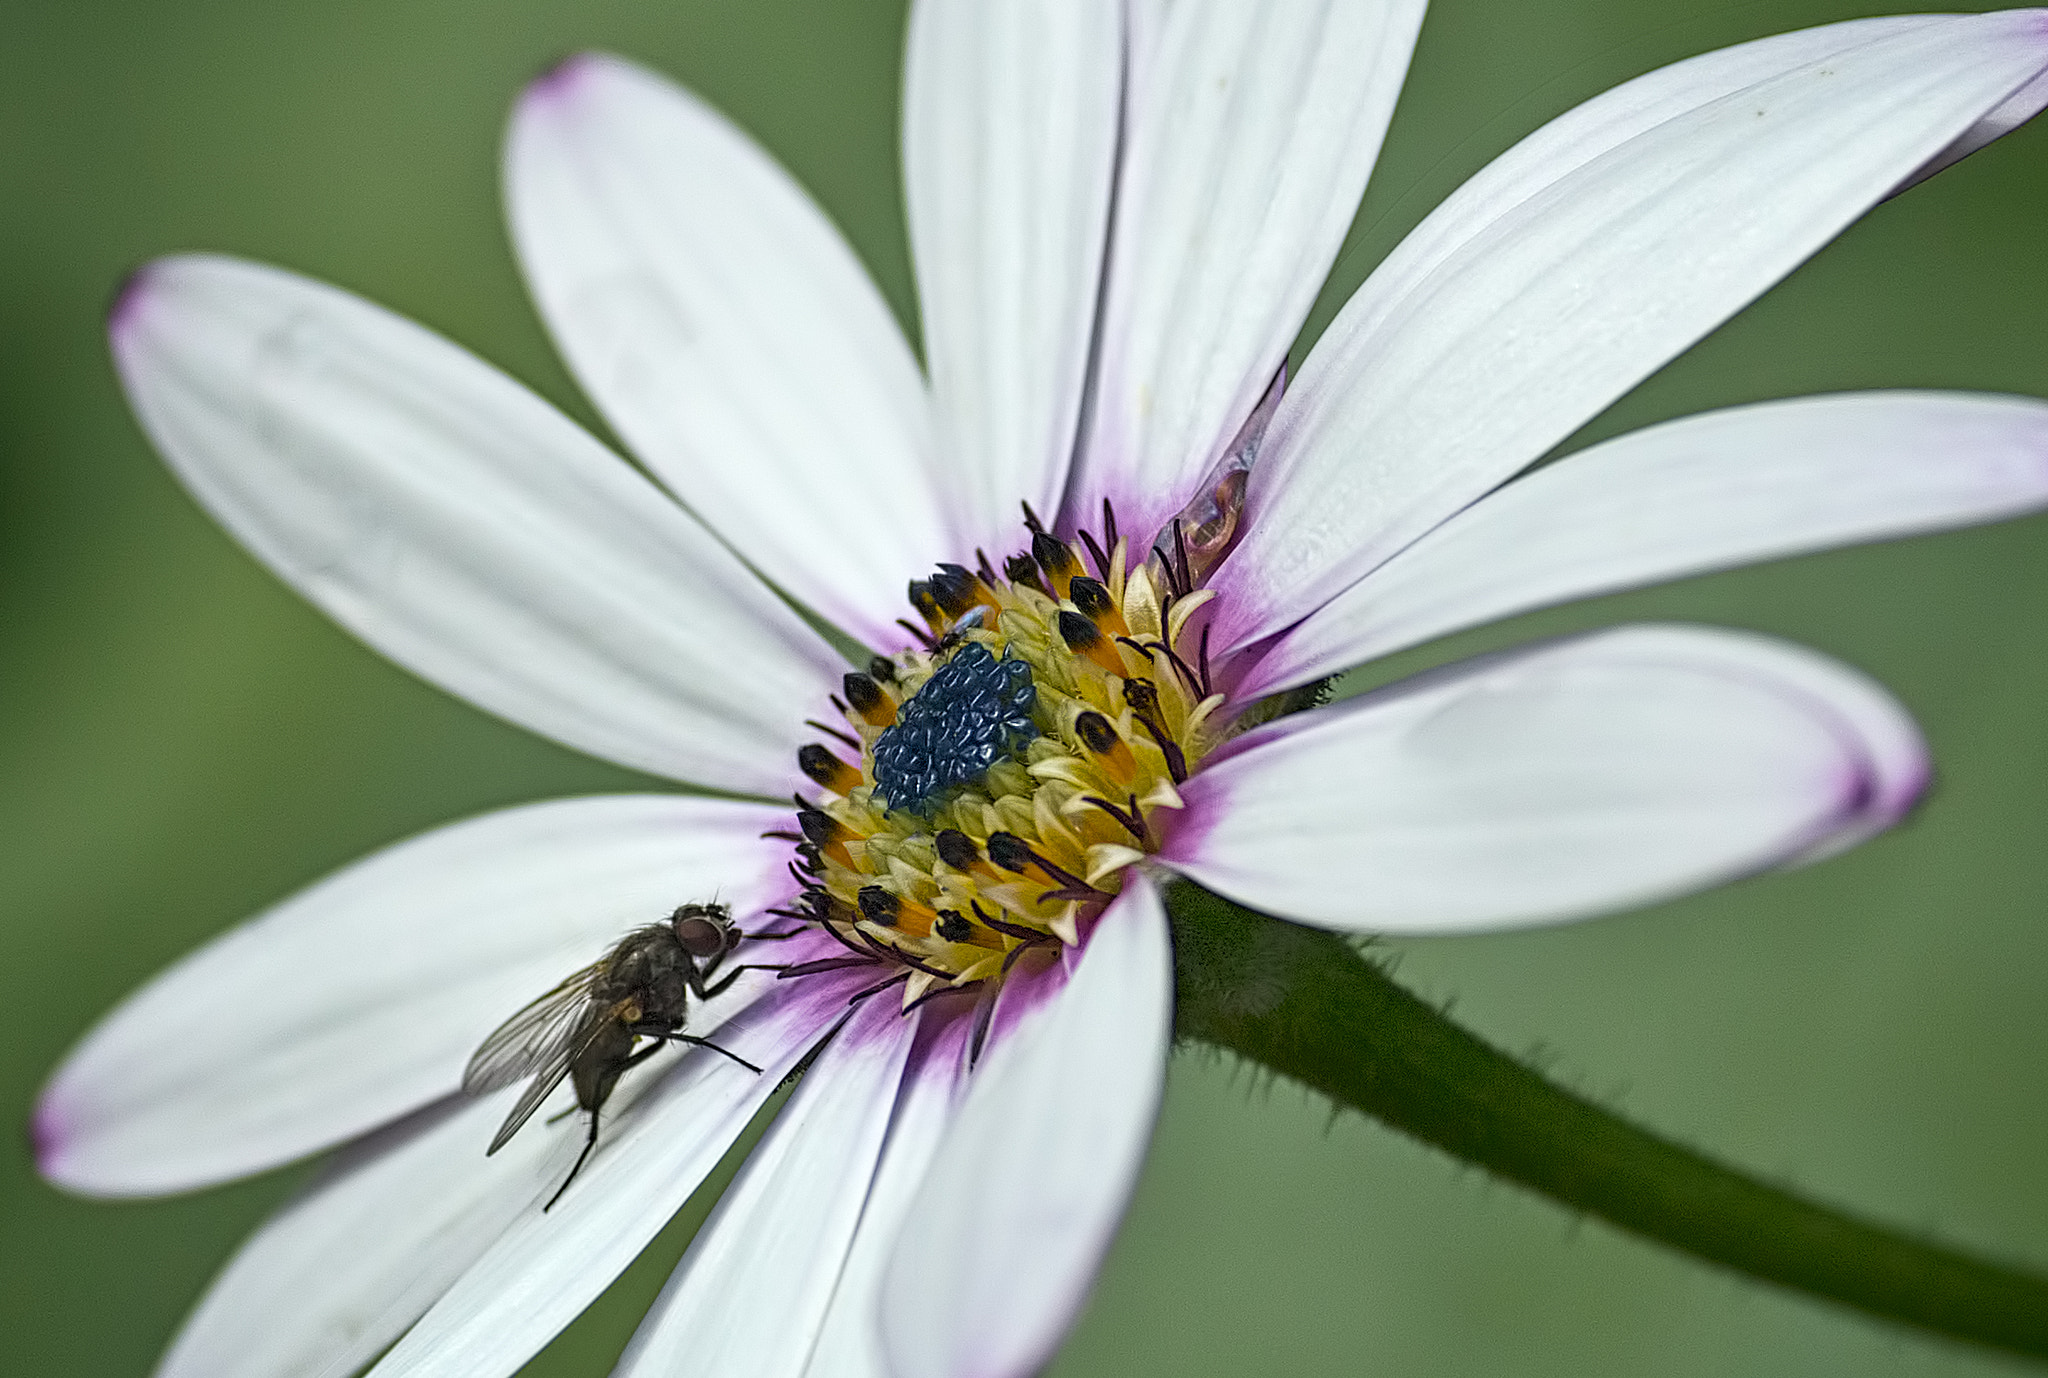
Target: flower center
<point>975,710</point>
<point>992,784</point>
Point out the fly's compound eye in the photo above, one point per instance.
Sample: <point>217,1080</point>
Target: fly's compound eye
<point>704,930</point>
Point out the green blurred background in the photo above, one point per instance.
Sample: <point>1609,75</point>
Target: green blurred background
<point>183,741</point>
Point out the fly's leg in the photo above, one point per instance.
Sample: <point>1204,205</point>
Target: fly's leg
<point>671,1036</point>
<point>707,1043</point>
<point>878,988</point>
<point>704,990</point>
<point>589,1143</point>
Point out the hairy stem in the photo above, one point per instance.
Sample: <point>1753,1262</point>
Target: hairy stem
<point>1304,1003</point>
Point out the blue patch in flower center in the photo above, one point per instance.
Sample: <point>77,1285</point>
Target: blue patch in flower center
<point>971,713</point>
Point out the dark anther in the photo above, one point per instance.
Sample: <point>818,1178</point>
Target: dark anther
<point>1078,632</point>
<point>982,566</point>
<point>819,764</point>
<point>1095,732</point>
<point>1030,936</point>
<point>1177,573</point>
<point>984,1011</point>
<point>1133,821</point>
<point>1143,697</point>
<point>877,988</point>
<point>956,589</point>
<point>1091,597</point>
<point>897,954</point>
<point>953,589</point>
<point>1022,569</point>
<point>848,943</point>
<point>823,964</point>
<point>956,848</point>
<point>953,926</point>
<point>863,693</point>
<point>1096,552</point>
<point>1169,577</point>
<point>1054,557</point>
<point>823,767</point>
<point>925,601</point>
<point>783,835</point>
<point>831,731</point>
<point>878,906</point>
<point>819,827</point>
<point>938,992</point>
<point>1109,532</point>
<point>1031,521</point>
<point>882,669</point>
<point>1010,852</point>
<point>1150,649</point>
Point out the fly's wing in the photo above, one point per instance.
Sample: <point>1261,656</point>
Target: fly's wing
<point>595,1021</point>
<point>535,1039</point>
<point>541,1041</point>
<point>537,1090</point>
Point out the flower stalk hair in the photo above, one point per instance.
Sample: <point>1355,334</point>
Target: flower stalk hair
<point>1331,1019</point>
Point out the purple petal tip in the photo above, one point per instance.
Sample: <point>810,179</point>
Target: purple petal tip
<point>126,304</point>
<point>1910,791</point>
<point>561,81</point>
<point>46,1135</point>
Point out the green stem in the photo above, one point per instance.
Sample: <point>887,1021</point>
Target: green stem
<point>1304,1003</point>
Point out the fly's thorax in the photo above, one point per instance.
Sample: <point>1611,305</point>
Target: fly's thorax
<point>992,785</point>
<point>646,977</point>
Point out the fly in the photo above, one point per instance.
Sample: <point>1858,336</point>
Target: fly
<point>585,1028</point>
<point>967,623</point>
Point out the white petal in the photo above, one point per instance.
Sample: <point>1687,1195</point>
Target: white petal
<point>1010,114</point>
<point>462,526</point>
<point>346,1267</point>
<point>1706,492</point>
<point>1894,760</point>
<point>364,995</point>
<point>1579,262</point>
<point>2020,107</point>
<point>1253,129</point>
<point>751,1294</point>
<point>666,1133</point>
<point>1030,1180</point>
<point>727,330</point>
<point>1552,783</point>
<point>849,1344</point>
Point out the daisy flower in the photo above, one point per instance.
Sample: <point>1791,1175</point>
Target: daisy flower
<point>1131,546</point>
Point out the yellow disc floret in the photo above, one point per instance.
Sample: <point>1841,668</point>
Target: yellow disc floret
<point>1010,768</point>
